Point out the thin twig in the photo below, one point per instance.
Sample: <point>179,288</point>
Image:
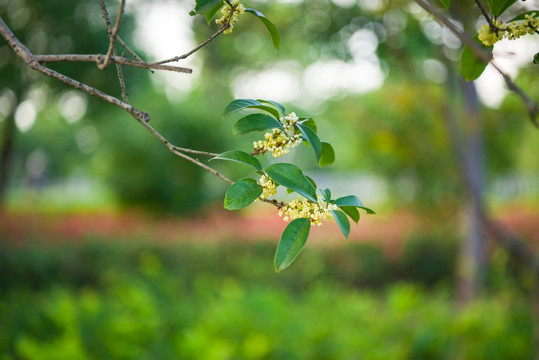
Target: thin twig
<point>484,56</point>
<point>196,152</point>
<point>114,59</point>
<point>184,56</point>
<point>128,49</point>
<point>106,17</point>
<point>223,27</point>
<point>112,32</point>
<point>486,16</point>
<point>278,204</point>
<point>119,71</point>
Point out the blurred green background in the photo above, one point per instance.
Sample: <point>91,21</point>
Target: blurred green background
<point>380,78</point>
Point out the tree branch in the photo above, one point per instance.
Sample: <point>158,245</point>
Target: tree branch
<point>114,59</point>
<point>119,72</point>
<point>33,62</point>
<point>112,32</point>
<point>484,56</point>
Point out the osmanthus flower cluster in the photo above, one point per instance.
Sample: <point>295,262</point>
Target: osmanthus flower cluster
<point>472,63</point>
<point>284,131</point>
<point>303,208</point>
<point>269,188</point>
<point>525,24</point>
<point>230,9</point>
<point>230,14</point>
<point>280,140</point>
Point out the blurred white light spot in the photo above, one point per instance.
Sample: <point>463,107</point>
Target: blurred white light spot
<point>325,79</point>
<point>38,95</point>
<point>344,3</point>
<point>87,139</point>
<point>372,5</point>
<point>363,44</point>
<point>72,105</point>
<point>450,40</point>
<point>164,31</point>
<point>279,82</point>
<point>435,71</point>
<point>8,101</point>
<point>394,21</point>
<point>432,30</point>
<point>290,1</point>
<point>25,115</point>
<point>490,87</point>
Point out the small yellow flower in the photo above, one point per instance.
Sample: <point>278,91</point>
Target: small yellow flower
<point>268,186</point>
<point>230,14</point>
<point>511,31</point>
<point>303,208</point>
<point>280,142</point>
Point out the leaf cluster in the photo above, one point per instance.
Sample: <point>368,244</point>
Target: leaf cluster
<point>266,115</point>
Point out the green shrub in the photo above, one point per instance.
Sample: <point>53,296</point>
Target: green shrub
<point>226,302</point>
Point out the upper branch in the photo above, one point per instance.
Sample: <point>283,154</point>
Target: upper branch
<point>112,32</point>
<point>35,62</point>
<point>184,56</point>
<point>484,56</point>
<point>99,59</point>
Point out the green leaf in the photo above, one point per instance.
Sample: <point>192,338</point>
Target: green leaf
<point>536,58</point>
<point>311,181</point>
<point>211,13</point>
<point>326,193</point>
<point>255,122</point>
<point>269,109</point>
<point>292,241</point>
<point>328,154</point>
<point>292,177</point>
<point>201,6</point>
<point>240,157</point>
<point>310,123</point>
<point>242,193</point>
<point>342,221</point>
<point>239,104</point>
<point>274,103</point>
<point>470,66</point>
<point>497,7</point>
<point>523,15</point>
<point>269,25</point>
<point>352,200</point>
<point>312,139</point>
<point>352,212</point>
<point>446,3</point>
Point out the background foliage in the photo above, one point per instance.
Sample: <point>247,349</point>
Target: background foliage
<point>225,302</point>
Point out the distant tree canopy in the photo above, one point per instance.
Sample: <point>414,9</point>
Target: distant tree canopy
<point>395,131</point>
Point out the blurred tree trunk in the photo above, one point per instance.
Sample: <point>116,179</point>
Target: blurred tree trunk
<point>465,132</point>
<point>473,254</point>
<point>6,152</point>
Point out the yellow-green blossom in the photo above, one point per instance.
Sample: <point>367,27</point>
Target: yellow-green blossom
<point>303,208</point>
<point>513,30</point>
<point>230,12</point>
<point>280,142</point>
<point>268,186</point>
